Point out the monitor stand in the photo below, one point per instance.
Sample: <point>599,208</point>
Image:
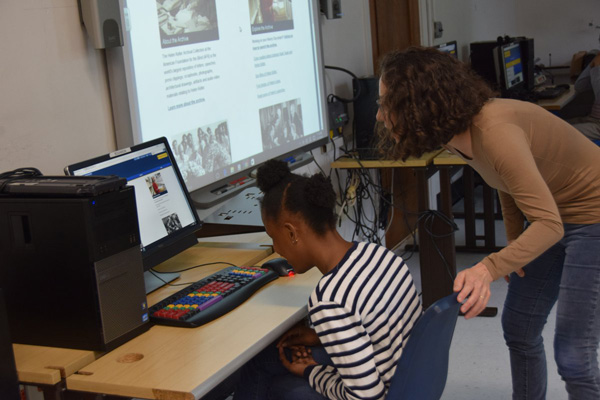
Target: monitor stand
<point>152,282</point>
<point>241,214</point>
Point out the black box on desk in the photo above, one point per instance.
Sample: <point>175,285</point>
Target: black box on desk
<point>71,269</point>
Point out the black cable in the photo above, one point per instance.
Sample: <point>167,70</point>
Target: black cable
<point>19,173</point>
<point>343,100</point>
<point>154,272</point>
<point>317,164</point>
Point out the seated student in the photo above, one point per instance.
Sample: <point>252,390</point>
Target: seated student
<point>590,78</point>
<point>361,312</point>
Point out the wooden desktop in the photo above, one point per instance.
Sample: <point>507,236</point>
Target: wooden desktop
<point>179,363</point>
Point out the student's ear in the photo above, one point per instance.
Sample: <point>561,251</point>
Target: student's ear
<point>291,232</point>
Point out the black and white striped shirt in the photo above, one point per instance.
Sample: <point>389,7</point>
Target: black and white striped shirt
<point>363,311</point>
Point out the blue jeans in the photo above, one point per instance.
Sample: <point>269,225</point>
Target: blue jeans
<point>568,272</point>
<point>264,377</point>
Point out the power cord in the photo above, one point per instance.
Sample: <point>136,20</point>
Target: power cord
<point>19,173</point>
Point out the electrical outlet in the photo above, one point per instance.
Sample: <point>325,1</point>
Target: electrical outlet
<point>437,29</point>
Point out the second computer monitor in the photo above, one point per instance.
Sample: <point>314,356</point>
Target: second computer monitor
<point>510,67</point>
<point>448,48</point>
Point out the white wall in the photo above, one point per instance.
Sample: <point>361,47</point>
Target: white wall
<point>557,27</point>
<point>54,104</point>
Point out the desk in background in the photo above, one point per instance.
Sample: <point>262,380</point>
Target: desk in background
<point>558,103</point>
<point>436,255</point>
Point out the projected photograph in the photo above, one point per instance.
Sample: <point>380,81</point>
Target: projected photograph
<point>172,223</point>
<point>281,123</point>
<point>204,150</point>
<point>156,185</point>
<point>184,22</point>
<point>270,15</point>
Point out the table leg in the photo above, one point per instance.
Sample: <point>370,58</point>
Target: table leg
<point>436,254</point>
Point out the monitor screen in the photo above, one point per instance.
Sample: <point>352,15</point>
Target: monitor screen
<point>230,84</point>
<point>167,218</point>
<point>512,65</point>
<point>448,48</point>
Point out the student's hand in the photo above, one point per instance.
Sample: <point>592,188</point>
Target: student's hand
<point>301,358</point>
<point>299,335</point>
<point>519,272</point>
<point>595,62</point>
<point>473,283</point>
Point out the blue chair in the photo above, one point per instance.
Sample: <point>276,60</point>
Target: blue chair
<point>423,367</point>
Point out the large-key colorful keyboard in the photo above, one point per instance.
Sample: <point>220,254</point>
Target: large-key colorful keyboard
<point>211,297</point>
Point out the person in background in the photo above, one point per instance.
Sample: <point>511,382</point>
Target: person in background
<point>590,79</point>
<point>361,313</point>
<point>546,174</point>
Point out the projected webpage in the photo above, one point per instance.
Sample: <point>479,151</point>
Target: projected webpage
<point>229,83</point>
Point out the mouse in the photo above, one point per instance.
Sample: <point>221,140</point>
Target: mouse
<point>280,266</point>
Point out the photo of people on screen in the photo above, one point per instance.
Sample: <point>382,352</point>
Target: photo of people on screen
<point>281,123</point>
<point>203,150</point>
<point>270,15</point>
<point>184,22</point>
<point>156,185</point>
<point>172,223</point>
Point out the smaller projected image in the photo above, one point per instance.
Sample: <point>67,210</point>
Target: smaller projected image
<point>281,123</point>
<point>184,22</point>
<point>172,223</point>
<point>270,15</point>
<point>156,185</point>
<point>202,150</point>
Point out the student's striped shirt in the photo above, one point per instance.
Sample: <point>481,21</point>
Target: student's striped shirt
<point>363,311</point>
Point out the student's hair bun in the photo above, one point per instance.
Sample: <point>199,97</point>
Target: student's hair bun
<point>271,173</point>
<point>319,192</point>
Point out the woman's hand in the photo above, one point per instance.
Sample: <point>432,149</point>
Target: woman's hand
<point>299,335</point>
<point>473,283</point>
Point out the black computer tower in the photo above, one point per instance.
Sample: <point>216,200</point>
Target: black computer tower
<point>9,382</point>
<point>71,268</point>
<point>528,60</point>
<point>365,113</point>
<point>482,61</point>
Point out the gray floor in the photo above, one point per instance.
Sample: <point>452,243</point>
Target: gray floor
<point>479,362</point>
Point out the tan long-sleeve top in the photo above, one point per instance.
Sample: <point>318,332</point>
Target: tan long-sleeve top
<point>543,169</point>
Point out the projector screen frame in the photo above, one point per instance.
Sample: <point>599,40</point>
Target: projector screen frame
<point>127,129</point>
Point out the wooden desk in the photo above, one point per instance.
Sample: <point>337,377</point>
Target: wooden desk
<point>559,102</point>
<point>437,271</point>
<point>186,363</point>
<point>47,367</point>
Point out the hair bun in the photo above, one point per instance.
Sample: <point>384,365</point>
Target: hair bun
<point>319,191</point>
<point>271,173</point>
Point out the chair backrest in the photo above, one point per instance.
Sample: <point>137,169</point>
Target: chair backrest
<point>423,367</point>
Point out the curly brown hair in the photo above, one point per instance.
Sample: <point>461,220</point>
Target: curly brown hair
<point>430,97</point>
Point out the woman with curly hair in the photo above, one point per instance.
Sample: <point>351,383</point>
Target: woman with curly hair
<point>548,178</point>
<point>360,314</point>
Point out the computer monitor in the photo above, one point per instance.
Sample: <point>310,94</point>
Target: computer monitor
<point>230,84</point>
<point>510,67</point>
<point>448,48</point>
<point>166,215</point>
